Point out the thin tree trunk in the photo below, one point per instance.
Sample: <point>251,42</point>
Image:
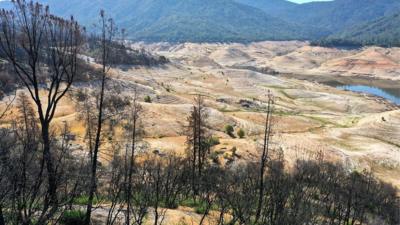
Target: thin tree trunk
<point>93,185</point>
<point>195,147</point>
<point>209,204</point>
<point>349,203</point>
<point>264,159</point>
<point>52,180</point>
<point>131,165</point>
<point>156,215</point>
<point>199,141</point>
<point>221,217</point>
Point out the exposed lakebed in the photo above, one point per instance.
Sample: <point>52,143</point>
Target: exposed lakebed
<point>386,89</point>
<point>392,95</point>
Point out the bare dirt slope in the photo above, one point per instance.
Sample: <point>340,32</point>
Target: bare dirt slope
<point>291,57</point>
<point>361,131</point>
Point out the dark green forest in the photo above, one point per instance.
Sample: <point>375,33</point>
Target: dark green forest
<point>361,22</point>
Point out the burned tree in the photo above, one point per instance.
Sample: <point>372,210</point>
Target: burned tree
<point>134,129</point>
<point>197,141</point>
<point>264,155</point>
<point>43,51</point>
<point>107,34</point>
<point>24,192</point>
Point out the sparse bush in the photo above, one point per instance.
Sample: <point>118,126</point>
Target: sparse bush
<point>83,200</point>
<point>240,133</point>
<point>214,156</point>
<point>73,217</point>
<point>147,99</point>
<point>189,202</point>
<point>229,130</point>
<point>213,141</point>
<point>234,150</point>
<point>169,205</point>
<point>201,208</point>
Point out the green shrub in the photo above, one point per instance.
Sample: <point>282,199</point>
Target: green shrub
<point>201,209</point>
<point>84,199</point>
<point>73,217</point>
<point>229,130</point>
<point>147,99</point>
<point>189,202</point>
<point>171,204</point>
<point>213,141</point>
<point>240,133</point>
<point>81,200</point>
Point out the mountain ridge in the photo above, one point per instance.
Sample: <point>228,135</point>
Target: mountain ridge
<point>238,20</point>
<point>336,15</point>
<point>186,20</point>
<point>383,32</point>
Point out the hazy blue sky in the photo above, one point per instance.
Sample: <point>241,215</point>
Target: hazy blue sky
<point>303,1</point>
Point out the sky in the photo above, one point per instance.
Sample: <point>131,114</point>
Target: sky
<point>304,1</point>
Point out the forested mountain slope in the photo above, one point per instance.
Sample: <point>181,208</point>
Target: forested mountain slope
<point>185,20</point>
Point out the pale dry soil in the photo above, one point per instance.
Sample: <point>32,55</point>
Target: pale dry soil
<point>361,131</point>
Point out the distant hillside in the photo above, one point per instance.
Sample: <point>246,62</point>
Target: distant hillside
<point>356,22</point>
<point>272,7</point>
<point>185,20</point>
<point>383,32</point>
<point>338,15</point>
<point>347,22</point>
<point>334,16</point>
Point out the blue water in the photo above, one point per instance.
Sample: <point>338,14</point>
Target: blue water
<point>392,95</point>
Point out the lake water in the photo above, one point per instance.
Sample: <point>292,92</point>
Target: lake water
<point>389,90</point>
<point>392,95</point>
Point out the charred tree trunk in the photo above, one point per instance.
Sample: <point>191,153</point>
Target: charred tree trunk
<point>199,138</point>
<point>93,183</point>
<point>264,159</point>
<point>31,39</point>
<point>134,138</point>
<point>349,201</point>
<point>52,180</point>
<point>194,151</point>
<point>157,194</point>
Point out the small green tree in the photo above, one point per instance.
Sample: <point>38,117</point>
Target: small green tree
<point>147,99</point>
<point>229,130</point>
<point>240,133</point>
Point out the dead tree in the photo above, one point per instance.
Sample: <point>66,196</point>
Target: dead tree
<point>43,51</point>
<point>107,33</point>
<point>264,155</point>
<point>25,166</point>
<point>135,131</point>
<point>197,141</point>
<point>23,189</point>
